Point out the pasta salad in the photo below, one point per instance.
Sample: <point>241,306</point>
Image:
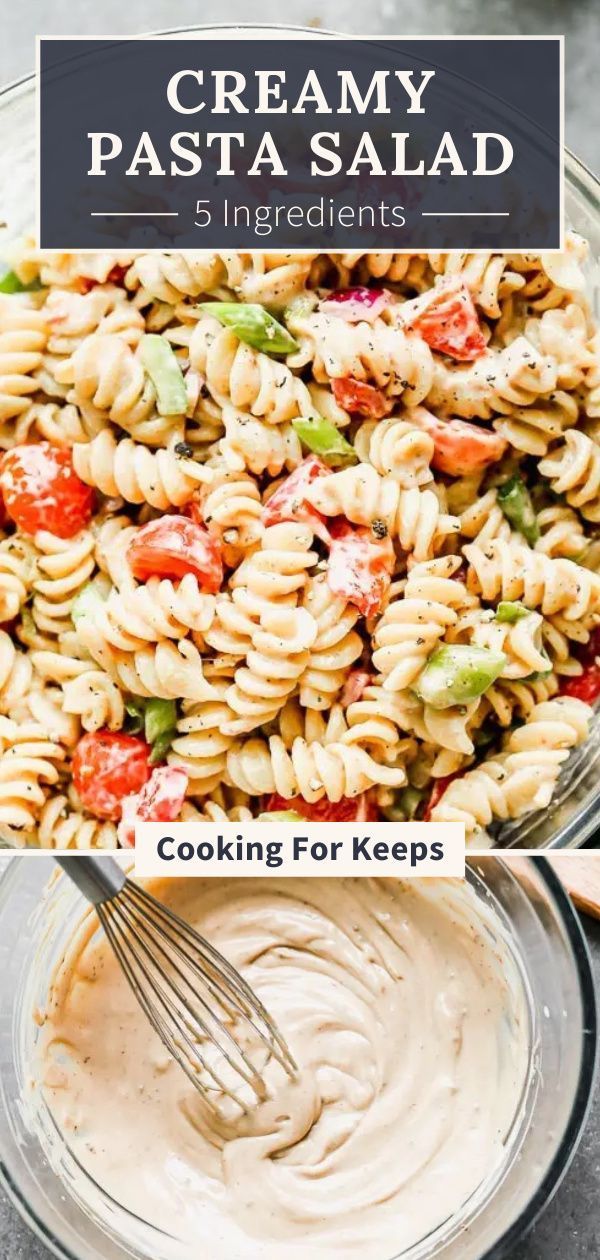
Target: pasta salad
<point>302,536</point>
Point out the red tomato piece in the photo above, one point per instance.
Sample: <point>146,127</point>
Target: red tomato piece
<point>107,766</point>
<point>355,685</point>
<point>356,305</point>
<point>117,274</point>
<point>41,490</point>
<point>588,652</point>
<point>3,513</point>
<point>447,320</point>
<point>288,502</point>
<point>349,809</point>
<point>360,566</point>
<point>437,792</point>
<point>173,546</point>
<point>585,686</point>
<point>460,447</point>
<point>359,397</point>
<point>160,800</point>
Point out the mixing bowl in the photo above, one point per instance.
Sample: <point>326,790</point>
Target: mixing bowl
<point>573,815</point>
<point>38,914</point>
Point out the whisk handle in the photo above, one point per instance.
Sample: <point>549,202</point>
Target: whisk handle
<point>99,879</point>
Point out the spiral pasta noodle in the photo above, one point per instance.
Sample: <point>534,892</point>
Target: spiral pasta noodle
<point>573,469</point>
<point>311,770</point>
<point>524,776</point>
<point>232,509</point>
<point>60,827</point>
<point>28,766</point>
<point>161,478</point>
<point>514,572</point>
<point>248,379</point>
<point>398,449</point>
<point>335,648</point>
<point>499,381</point>
<point>411,626</point>
<point>412,516</point>
<point>400,364</point>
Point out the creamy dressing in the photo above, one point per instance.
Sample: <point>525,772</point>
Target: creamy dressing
<point>406,1014</point>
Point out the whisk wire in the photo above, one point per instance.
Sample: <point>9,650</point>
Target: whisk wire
<point>161,1027</point>
<point>182,1016</point>
<point>251,1004</point>
<point>250,1075</point>
<point>193,998</point>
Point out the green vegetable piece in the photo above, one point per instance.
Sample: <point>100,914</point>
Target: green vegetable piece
<point>515,500</point>
<point>134,709</point>
<point>10,283</point>
<point>159,362</point>
<point>281,815</point>
<point>87,603</point>
<point>300,306</point>
<point>405,805</point>
<point>161,746</point>
<point>457,674</point>
<point>511,612</point>
<point>160,716</point>
<point>253,324</point>
<point>322,437</point>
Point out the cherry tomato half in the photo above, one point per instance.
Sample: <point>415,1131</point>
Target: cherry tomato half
<point>107,766</point>
<point>359,397</point>
<point>447,320</point>
<point>41,490</point>
<point>174,546</point>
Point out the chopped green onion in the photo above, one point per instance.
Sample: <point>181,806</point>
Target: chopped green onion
<point>281,815</point>
<point>87,603</point>
<point>160,725</point>
<point>161,746</point>
<point>515,500</point>
<point>160,363</point>
<point>253,325</point>
<point>322,437</point>
<point>511,612</point>
<point>405,805</point>
<point>300,306</point>
<point>10,283</point>
<point>134,709</point>
<point>457,674</point>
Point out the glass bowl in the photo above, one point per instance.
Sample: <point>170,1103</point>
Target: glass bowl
<point>573,815</point>
<point>38,914</point>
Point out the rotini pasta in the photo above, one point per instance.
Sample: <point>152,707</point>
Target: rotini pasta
<point>310,550</point>
<point>412,516</point>
<point>573,469</point>
<point>164,478</point>
<point>524,776</point>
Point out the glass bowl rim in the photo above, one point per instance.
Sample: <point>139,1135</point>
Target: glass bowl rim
<point>580,1108</point>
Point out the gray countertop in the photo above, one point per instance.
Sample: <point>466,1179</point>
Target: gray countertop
<point>568,1230</point>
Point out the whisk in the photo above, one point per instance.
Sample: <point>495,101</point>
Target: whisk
<point>206,1015</point>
